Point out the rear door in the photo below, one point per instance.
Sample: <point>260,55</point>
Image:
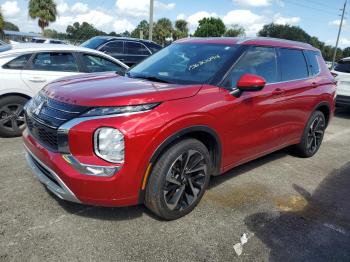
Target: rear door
<point>45,67</point>
<point>296,96</point>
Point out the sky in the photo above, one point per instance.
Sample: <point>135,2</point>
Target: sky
<point>318,18</point>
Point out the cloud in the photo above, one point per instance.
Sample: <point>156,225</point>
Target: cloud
<point>10,8</point>
<point>193,19</point>
<point>180,16</point>
<point>62,8</point>
<point>278,19</point>
<point>343,42</point>
<point>80,8</point>
<point>251,22</point>
<point>122,25</point>
<point>140,8</point>
<point>336,22</point>
<point>253,3</point>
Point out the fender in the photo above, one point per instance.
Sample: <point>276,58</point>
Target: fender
<point>173,138</point>
<point>16,91</point>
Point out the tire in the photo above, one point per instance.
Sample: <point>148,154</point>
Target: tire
<point>12,122</point>
<point>312,136</point>
<point>172,180</point>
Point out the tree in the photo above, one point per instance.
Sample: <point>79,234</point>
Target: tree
<point>10,26</point>
<point>44,10</point>
<point>181,29</point>
<point>126,34</point>
<point>142,26</point>
<point>78,33</point>
<point>163,29</point>
<point>236,30</point>
<point>346,52</point>
<point>285,32</point>
<point>210,27</point>
<point>2,22</point>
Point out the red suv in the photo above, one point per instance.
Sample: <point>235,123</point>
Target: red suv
<point>193,110</point>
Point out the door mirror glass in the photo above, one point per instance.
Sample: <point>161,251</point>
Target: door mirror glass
<point>250,82</point>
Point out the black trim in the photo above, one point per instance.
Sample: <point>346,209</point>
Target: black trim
<point>175,137</point>
<point>343,100</point>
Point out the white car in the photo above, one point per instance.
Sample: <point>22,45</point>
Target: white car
<point>27,68</point>
<point>341,73</point>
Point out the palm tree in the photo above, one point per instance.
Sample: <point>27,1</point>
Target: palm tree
<point>45,10</point>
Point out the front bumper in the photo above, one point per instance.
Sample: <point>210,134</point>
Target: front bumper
<point>49,178</point>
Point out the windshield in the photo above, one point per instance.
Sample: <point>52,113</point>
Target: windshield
<point>185,63</point>
<point>93,43</point>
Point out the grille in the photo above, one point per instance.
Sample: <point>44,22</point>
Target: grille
<point>44,116</point>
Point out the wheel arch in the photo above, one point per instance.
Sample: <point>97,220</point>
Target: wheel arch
<point>15,94</point>
<point>325,108</point>
<point>204,134</point>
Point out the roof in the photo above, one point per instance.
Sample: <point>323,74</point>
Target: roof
<point>262,41</point>
<point>108,38</point>
<point>8,32</point>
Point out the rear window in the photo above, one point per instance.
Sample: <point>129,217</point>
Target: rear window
<point>343,66</point>
<point>293,64</point>
<point>62,62</point>
<point>133,48</point>
<point>18,63</point>
<point>312,58</point>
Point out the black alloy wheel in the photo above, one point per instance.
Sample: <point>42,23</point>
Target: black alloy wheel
<point>185,180</point>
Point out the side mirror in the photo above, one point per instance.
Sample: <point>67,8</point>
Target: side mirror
<point>249,83</point>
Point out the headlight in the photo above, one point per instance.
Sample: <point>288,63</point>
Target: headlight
<point>109,144</point>
<point>101,111</point>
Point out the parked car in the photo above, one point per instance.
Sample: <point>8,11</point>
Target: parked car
<point>341,73</point>
<point>2,43</point>
<point>26,68</point>
<point>195,109</point>
<point>39,40</point>
<point>128,50</point>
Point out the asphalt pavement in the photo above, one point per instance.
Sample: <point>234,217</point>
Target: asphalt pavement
<point>290,209</point>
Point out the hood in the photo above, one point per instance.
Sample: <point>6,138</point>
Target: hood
<point>110,89</point>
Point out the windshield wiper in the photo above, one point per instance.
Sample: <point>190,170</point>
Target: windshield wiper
<point>150,78</point>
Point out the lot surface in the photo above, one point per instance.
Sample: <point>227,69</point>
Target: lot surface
<point>293,210</point>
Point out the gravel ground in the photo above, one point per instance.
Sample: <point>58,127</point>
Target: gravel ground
<point>291,209</point>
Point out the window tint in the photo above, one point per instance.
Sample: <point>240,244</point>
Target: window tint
<point>259,61</point>
<point>99,64</point>
<point>64,62</point>
<point>293,64</point>
<point>312,58</point>
<point>154,47</point>
<point>133,48</point>
<point>115,47</point>
<point>343,66</point>
<point>18,63</point>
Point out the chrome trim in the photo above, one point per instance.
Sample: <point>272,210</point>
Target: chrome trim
<point>84,168</point>
<point>63,130</point>
<point>62,191</point>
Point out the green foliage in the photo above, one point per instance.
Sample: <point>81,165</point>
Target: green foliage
<point>162,29</point>
<point>236,30</point>
<point>346,52</point>
<point>10,26</point>
<point>210,27</point>
<point>44,10</point>
<point>2,22</point>
<point>142,26</point>
<point>126,34</point>
<point>78,33</point>
<point>181,29</point>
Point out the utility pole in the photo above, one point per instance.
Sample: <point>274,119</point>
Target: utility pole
<point>151,5</point>
<point>340,27</point>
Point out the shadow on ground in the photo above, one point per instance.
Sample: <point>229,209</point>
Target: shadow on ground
<point>310,227</point>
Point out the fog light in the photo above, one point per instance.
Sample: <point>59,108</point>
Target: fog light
<point>109,144</point>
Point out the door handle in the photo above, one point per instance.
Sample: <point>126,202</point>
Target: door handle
<point>278,91</point>
<point>315,84</point>
<point>37,80</point>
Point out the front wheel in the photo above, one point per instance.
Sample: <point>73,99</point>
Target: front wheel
<point>312,136</point>
<point>178,179</point>
<point>12,121</point>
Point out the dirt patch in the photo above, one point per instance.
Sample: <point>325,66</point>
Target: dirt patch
<point>290,203</point>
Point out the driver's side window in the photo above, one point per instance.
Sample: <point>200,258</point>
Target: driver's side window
<point>261,61</point>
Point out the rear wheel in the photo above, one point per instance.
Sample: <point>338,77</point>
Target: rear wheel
<point>12,122</point>
<point>179,179</point>
<point>313,135</point>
